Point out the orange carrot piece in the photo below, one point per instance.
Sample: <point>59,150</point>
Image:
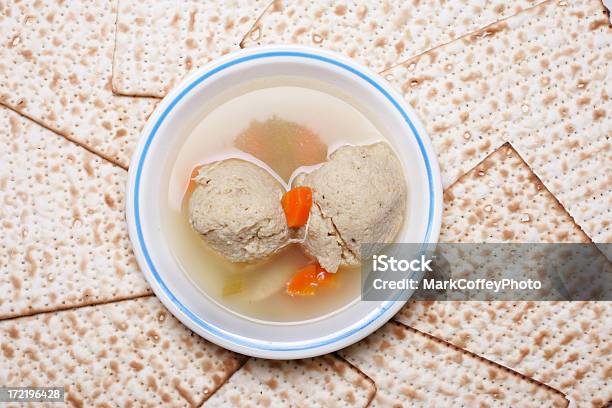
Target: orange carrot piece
<point>296,204</point>
<point>308,279</point>
<point>301,283</point>
<point>192,184</point>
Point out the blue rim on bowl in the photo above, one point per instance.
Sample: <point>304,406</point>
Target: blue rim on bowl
<point>260,348</point>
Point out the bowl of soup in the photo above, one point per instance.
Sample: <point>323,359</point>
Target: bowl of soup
<point>253,186</point>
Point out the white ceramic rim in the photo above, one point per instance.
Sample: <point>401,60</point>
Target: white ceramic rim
<point>369,323</point>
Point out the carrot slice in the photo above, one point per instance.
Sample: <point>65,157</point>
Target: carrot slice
<point>307,280</point>
<point>192,184</point>
<point>296,204</point>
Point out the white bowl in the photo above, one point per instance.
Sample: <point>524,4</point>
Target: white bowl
<point>181,107</point>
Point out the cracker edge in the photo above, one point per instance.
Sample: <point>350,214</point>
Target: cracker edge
<point>66,136</point>
<point>115,88</point>
<point>360,373</point>
<point>482,359</point>
<point>415,58</point>
<point>324,357</point>
<point>508,145</point>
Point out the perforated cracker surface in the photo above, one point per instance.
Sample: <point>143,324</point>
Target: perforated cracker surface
<point>316,382</point>
<point>562,344</point>
<point>64,240</point>
<point>55,67</point>
<point>416,370</point>
<point>376,33</point>
<point>120,354</point>
<point>501,200</point>
<point>539,80</point>
<point>159,42</point>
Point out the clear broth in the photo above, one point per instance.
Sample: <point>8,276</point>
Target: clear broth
<point>262,295</point>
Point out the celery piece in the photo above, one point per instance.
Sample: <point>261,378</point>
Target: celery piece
<point>233,285</point>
